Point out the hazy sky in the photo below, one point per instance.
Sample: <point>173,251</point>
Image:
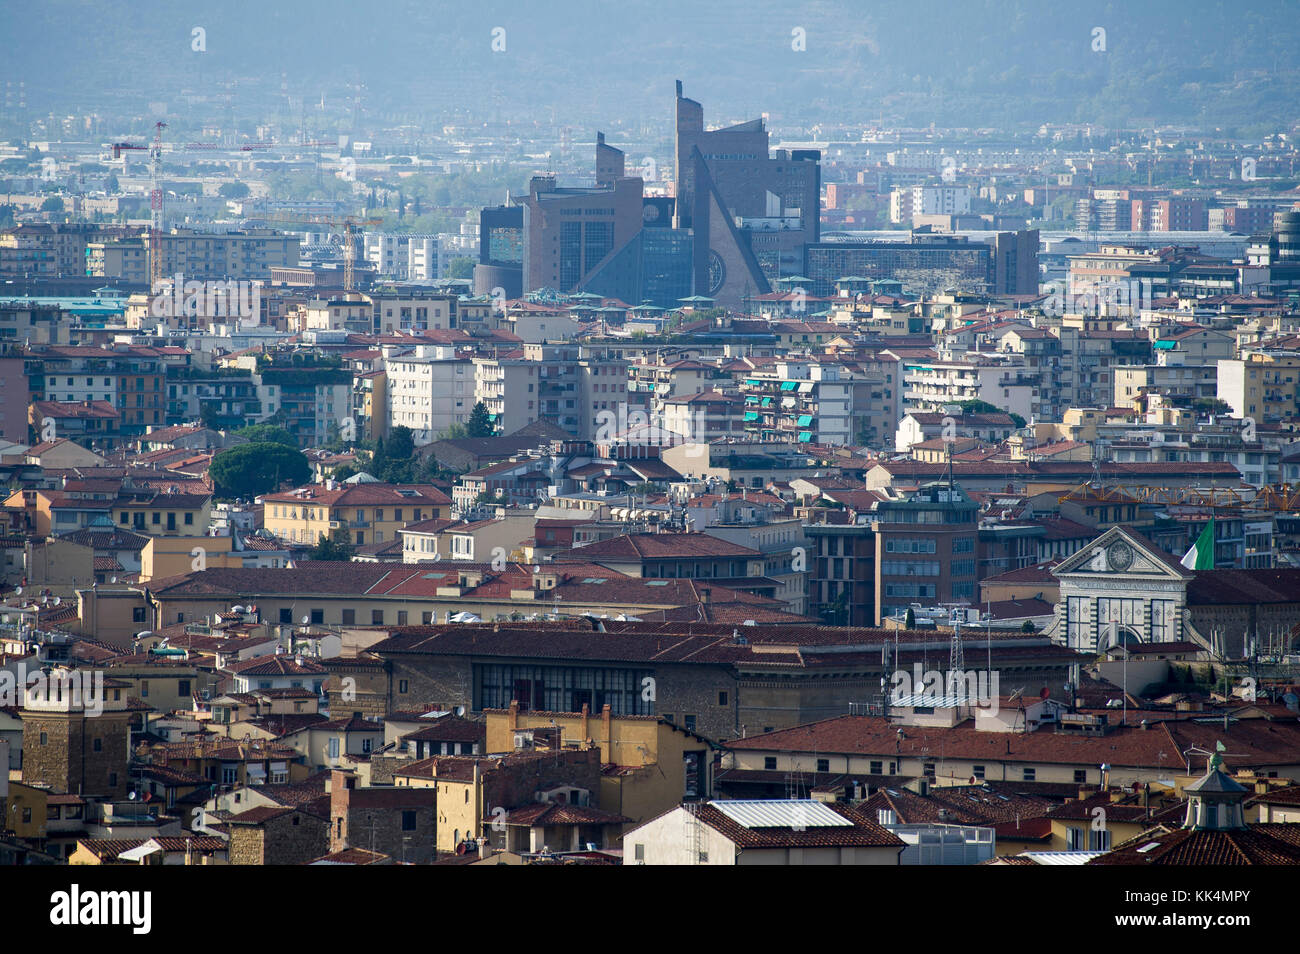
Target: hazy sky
<point>589,62</point>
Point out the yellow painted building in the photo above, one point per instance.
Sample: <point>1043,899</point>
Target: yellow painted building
<point>650,764</point>
<point>172,556</point>
<point>1264,385</point>
<point>370,512</point>
<point>24,811</point>
<point>165,515</point>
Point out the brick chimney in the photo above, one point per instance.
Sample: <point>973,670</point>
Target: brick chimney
<point>512,717</point>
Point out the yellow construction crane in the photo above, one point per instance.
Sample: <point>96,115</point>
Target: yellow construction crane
<point>1280,498</point>
<point>348,225</point>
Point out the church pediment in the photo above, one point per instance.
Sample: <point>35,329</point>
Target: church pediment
<point>1118,553</point>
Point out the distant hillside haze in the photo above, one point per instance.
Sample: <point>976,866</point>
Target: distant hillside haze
<point>1004,63</point>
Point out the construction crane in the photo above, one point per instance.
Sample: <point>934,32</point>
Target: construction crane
<point>1281,498</point>
<point>156,207</point>
<point>251,147</point>
<point>155,197</point>
<point>262,144</point>
<point>347,226</point>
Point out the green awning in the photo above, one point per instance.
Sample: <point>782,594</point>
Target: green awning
<point>805,436</point>
<point>804,420</point>
<point>767,402</point>
<point>789,385</point>
<point>753,382</point>
<point>751,415</point>
<point>751,399</point>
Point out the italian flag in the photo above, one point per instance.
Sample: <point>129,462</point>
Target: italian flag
<point>1201,555</point>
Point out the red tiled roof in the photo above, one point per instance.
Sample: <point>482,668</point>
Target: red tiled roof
<point>1159,747</point>
<point>1261,844</point>
<point>863,833</point>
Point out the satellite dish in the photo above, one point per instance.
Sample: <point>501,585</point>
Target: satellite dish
<point>18,591</point>
<point>131,796</point>
<point>306,620</point>
<point>58,600</point>
<point>113,580</point>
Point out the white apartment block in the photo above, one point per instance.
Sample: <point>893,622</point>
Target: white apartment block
<point>940,200</point>
<point>933,385</point>
<point>508,387</point>
<point>429,390</point>
<point>900,205</point>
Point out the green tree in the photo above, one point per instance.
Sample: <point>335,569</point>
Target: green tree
<point>233,190</point>
<point>111,185</point>
<point>460,267</point>
<point>400,444</point>
<point>268,433</point>
<point>248,470</point>
<point>480,422</point>
<point>909,621</point>
<point>52,204</point>
<point>393,460</point>
<point>337,546</point>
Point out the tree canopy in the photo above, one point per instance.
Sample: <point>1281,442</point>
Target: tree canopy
<point>480,422</point>
<point>337,546</point>
<point>248,470</point>
<point>269,434</point>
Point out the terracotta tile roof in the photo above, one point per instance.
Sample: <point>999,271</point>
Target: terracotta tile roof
<point>280,724</point>
<point>1278,796</point>
<point>351,723</point>
<point>961,805</point>
<point>362,495</point>
<point>553,813</point>
<point>86,410</point>
<point>298,793</point>
<point>663,546</point>
<point>1261,844</point>
<point>283,665</point>
<point>1253,743</point>
<point>1255,586</point>
<point>863,833</point>
<point>450,728</point>
<point>108,849</point>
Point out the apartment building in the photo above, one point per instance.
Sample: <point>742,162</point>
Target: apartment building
<point>372,512</point>
<point>127,378</point>
<point>800,402</point>
<point>1262,384</point>
<point>935,385</point>
<point>226,255</point>
<point>429,389</point>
